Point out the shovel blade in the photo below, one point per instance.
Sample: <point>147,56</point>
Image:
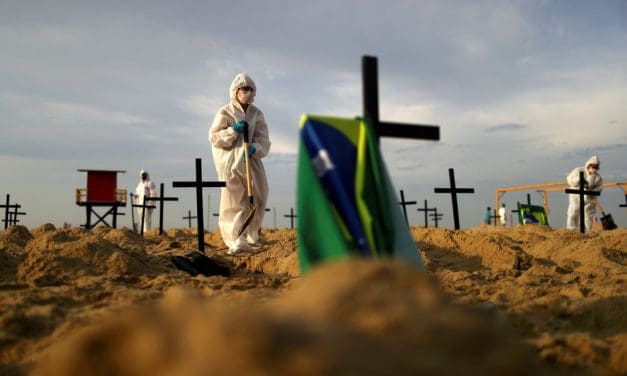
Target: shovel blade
<point>249,217</point>
<point>608,222</point>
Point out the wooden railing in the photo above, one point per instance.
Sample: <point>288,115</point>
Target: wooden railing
<point>81,195</point>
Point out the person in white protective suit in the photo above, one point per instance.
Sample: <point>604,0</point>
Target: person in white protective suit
<point>145,187</point>
<point>593,182</point>
<point>227,141</point>
<point>503,215</point>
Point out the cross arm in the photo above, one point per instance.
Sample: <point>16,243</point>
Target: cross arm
<point>413,131</point>
<point>193,184</point>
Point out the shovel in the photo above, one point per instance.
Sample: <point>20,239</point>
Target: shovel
<point>249,184</point>
<point>606,219</point>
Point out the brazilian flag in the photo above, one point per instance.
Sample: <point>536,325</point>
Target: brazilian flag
<point>347,205</point>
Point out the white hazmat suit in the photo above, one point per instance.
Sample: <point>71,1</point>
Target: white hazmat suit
<point>503,215</point>
<point>228,157</point>
<point>594,183</point>
<point>146,187</point>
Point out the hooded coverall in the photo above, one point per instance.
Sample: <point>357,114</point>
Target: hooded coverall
<point>594,183</point>
<point>228,157</point>
<point>145,188</point>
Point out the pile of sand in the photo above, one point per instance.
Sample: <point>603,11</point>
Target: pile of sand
<point>493,300</point>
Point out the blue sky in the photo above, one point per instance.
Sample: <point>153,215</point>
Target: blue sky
<point>524,91</point>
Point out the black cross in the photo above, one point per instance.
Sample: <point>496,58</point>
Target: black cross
<point>199,185</point>
<point>404,204</point>
<point>144,206</point>
<point>189,217</point>
<point>516,211</point>
<point>216,214</point>
<point>624,206</point>
<point>12,221</point>
<point>495,216</point>
<point>370,74</point>
<point>453,190</point>
<point>16,213</point>
<point>426,210</point>
<point>436,216</point>
<point>528,199</point>
<point>161,199</point>
<point>582,192</point>
<point>291,216</point>
<point>7,210</point>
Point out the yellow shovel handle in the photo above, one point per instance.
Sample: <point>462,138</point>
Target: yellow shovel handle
<point>249,182</point>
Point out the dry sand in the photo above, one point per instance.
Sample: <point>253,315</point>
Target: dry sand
<point>524,300</point>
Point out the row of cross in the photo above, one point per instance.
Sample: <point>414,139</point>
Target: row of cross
<point>11,212</point>
<point>452,189</point>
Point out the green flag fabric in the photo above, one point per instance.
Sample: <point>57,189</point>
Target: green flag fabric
<point>346,202</point>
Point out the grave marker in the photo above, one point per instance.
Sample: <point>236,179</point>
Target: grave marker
<point>453,190</point>
<point>291,216</point>
<point>436,216</point>
<point>496,217</point>
<point>426,210</point>
<point>144,206</point>
<point>161,198</point>
<point>198,184</point>
<point>7,211</point>
<point>404,204</point>
<point>189,217</point>
<point>582,192</point>
<point>369,71</point>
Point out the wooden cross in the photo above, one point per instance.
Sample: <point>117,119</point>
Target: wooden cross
<point>436,216</point>
<point>453,190</point>
<point>404,204</point>
<point>582,192</point>
<point>198,184</point>
<point>16,213</point>
<point>516,211</point>
<point>426,210</point>
<point>161,198</point>
<point>7,210</point>
<point>369,71</point>
<point>291,216</point>
<point>12,221</point>
<point>496,216</point>
<point>190,217</point>
<point>144,206</point>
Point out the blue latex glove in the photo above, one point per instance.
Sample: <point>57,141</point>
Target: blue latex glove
<point>251,150</point>
<point>239,126</point>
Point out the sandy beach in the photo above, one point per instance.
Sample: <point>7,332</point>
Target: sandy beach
<point>516,301</point>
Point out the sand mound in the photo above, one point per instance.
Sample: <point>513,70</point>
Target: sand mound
<point>46,227</point>
<point>507,289</point>
<point>15,237</point>
<point>60,256</point>
<point>363,318</point>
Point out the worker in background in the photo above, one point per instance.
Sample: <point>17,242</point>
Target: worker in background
<point>592,182</point>
<point>503,215</point>
<point>225,136</point>
<point>145,187</point>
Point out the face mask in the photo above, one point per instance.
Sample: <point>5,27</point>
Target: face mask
<point>244,97</point>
